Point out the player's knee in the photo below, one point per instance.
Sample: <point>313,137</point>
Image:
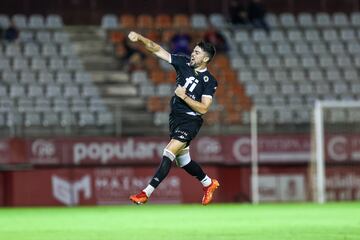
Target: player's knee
<point>183,159</point>
<point>167,153</point>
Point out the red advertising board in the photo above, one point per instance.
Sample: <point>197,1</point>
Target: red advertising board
<point>2,186</point>
<point>84,186</point>
<point>342,183</point>
<point>230,150</point>
<point>216,149</point>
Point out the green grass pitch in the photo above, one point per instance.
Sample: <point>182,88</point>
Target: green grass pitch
<point>333,221</point>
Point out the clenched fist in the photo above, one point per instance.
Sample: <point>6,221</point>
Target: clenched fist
<point>133,36</point>
<point>180,92</point>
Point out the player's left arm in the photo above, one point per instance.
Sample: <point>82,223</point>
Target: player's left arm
<point>200,107</point>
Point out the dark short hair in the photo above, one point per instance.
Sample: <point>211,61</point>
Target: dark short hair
<point>208,48</point>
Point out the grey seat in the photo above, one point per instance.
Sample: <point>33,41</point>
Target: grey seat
<point>8,76</point>
<point>109,21</point>
<point>266,49</point>
<point>316,75</point>
<point>302,49</point>
<point>36,21</point>
<point>308,62</point>
<point>50,118</point>
<point>86,119</point>
<point>26,36</point>
<point>305,20</point>
<point>319,48</point>
<point>295,35</point>
<point>284,116</point>
<point>67,119</point>
<point>31,50</point>
<point>104,118</point>
<point>17,91</point>
<point>38,64</point>
<point>63,77</point>
<point>323,19</point>
<point>49,50</point>
<point>71,91</point>
<point>312,35</point>
<point>56,64</point>
<point>35,91</point>
<point>164,90</point>
<point>82,77</point>
<point>4,21</point>
<point>355,19</point>
<point>333,74</point>
<point>43,105</point>
<point>12,50</point>
<point>97,105</point>
<point>78,104</point>
<point>280,75</point>
<point>351,75</point>
<point>139,77</point>
<point>32,119</point>
<point>46,77</point>
<point>6,104</point>
<point>340,19</point>
<point>217,20</point>
<point>25,104</point>
<point>245,76</point>
<point>288,20</point>
<point>241,36</point>
<point>89,91</point>
<point>330,35</point>
<point>53,21</point>
<point>19,20</point>
<point>53,90</point>
<point>273,62</point>
<point>198,21</point>
<point>147,90</point>
<point>14,119</point>
<point>43,36</point>
<point>61,37</point>
<point>291,62</point>
<point>297,75</point>
<point>347,35</point>
<point>337,48</point>
<point>67,50</point>
<point>74,63</point>
<point>61,105</point>
<point>3,91</point>
<point>343,61</point>
<point>20,64</point>
<point>284,49</point>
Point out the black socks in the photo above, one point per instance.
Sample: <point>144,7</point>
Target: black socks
<point>162,172</point>
<point>195,170</point>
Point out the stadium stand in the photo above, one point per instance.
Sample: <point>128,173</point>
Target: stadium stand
<point>39,71</point>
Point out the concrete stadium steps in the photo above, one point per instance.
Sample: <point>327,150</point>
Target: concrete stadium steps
<point>118,92</point>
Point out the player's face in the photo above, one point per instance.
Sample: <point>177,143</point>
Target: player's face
<point>198,57</point>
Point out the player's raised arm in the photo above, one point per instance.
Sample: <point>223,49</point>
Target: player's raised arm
<point>150,45</point>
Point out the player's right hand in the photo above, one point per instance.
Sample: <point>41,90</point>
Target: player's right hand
<point>133,36</point>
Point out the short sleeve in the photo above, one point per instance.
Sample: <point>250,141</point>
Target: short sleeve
<point>178,60</point>
<point>210,89</point>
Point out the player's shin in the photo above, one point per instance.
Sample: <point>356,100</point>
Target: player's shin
<point>161,172</point>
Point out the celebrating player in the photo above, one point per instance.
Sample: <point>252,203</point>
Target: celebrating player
<point>193,97</point>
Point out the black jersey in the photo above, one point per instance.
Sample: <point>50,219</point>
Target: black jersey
<point>197,84</point>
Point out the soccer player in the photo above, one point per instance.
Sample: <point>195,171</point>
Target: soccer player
<point>193,97</point>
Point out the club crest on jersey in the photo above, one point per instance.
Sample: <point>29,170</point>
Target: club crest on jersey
<point>206,78</point>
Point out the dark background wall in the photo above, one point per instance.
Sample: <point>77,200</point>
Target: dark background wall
<point>90,11</point>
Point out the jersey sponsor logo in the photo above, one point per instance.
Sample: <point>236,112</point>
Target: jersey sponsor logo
<point>192,82</point>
